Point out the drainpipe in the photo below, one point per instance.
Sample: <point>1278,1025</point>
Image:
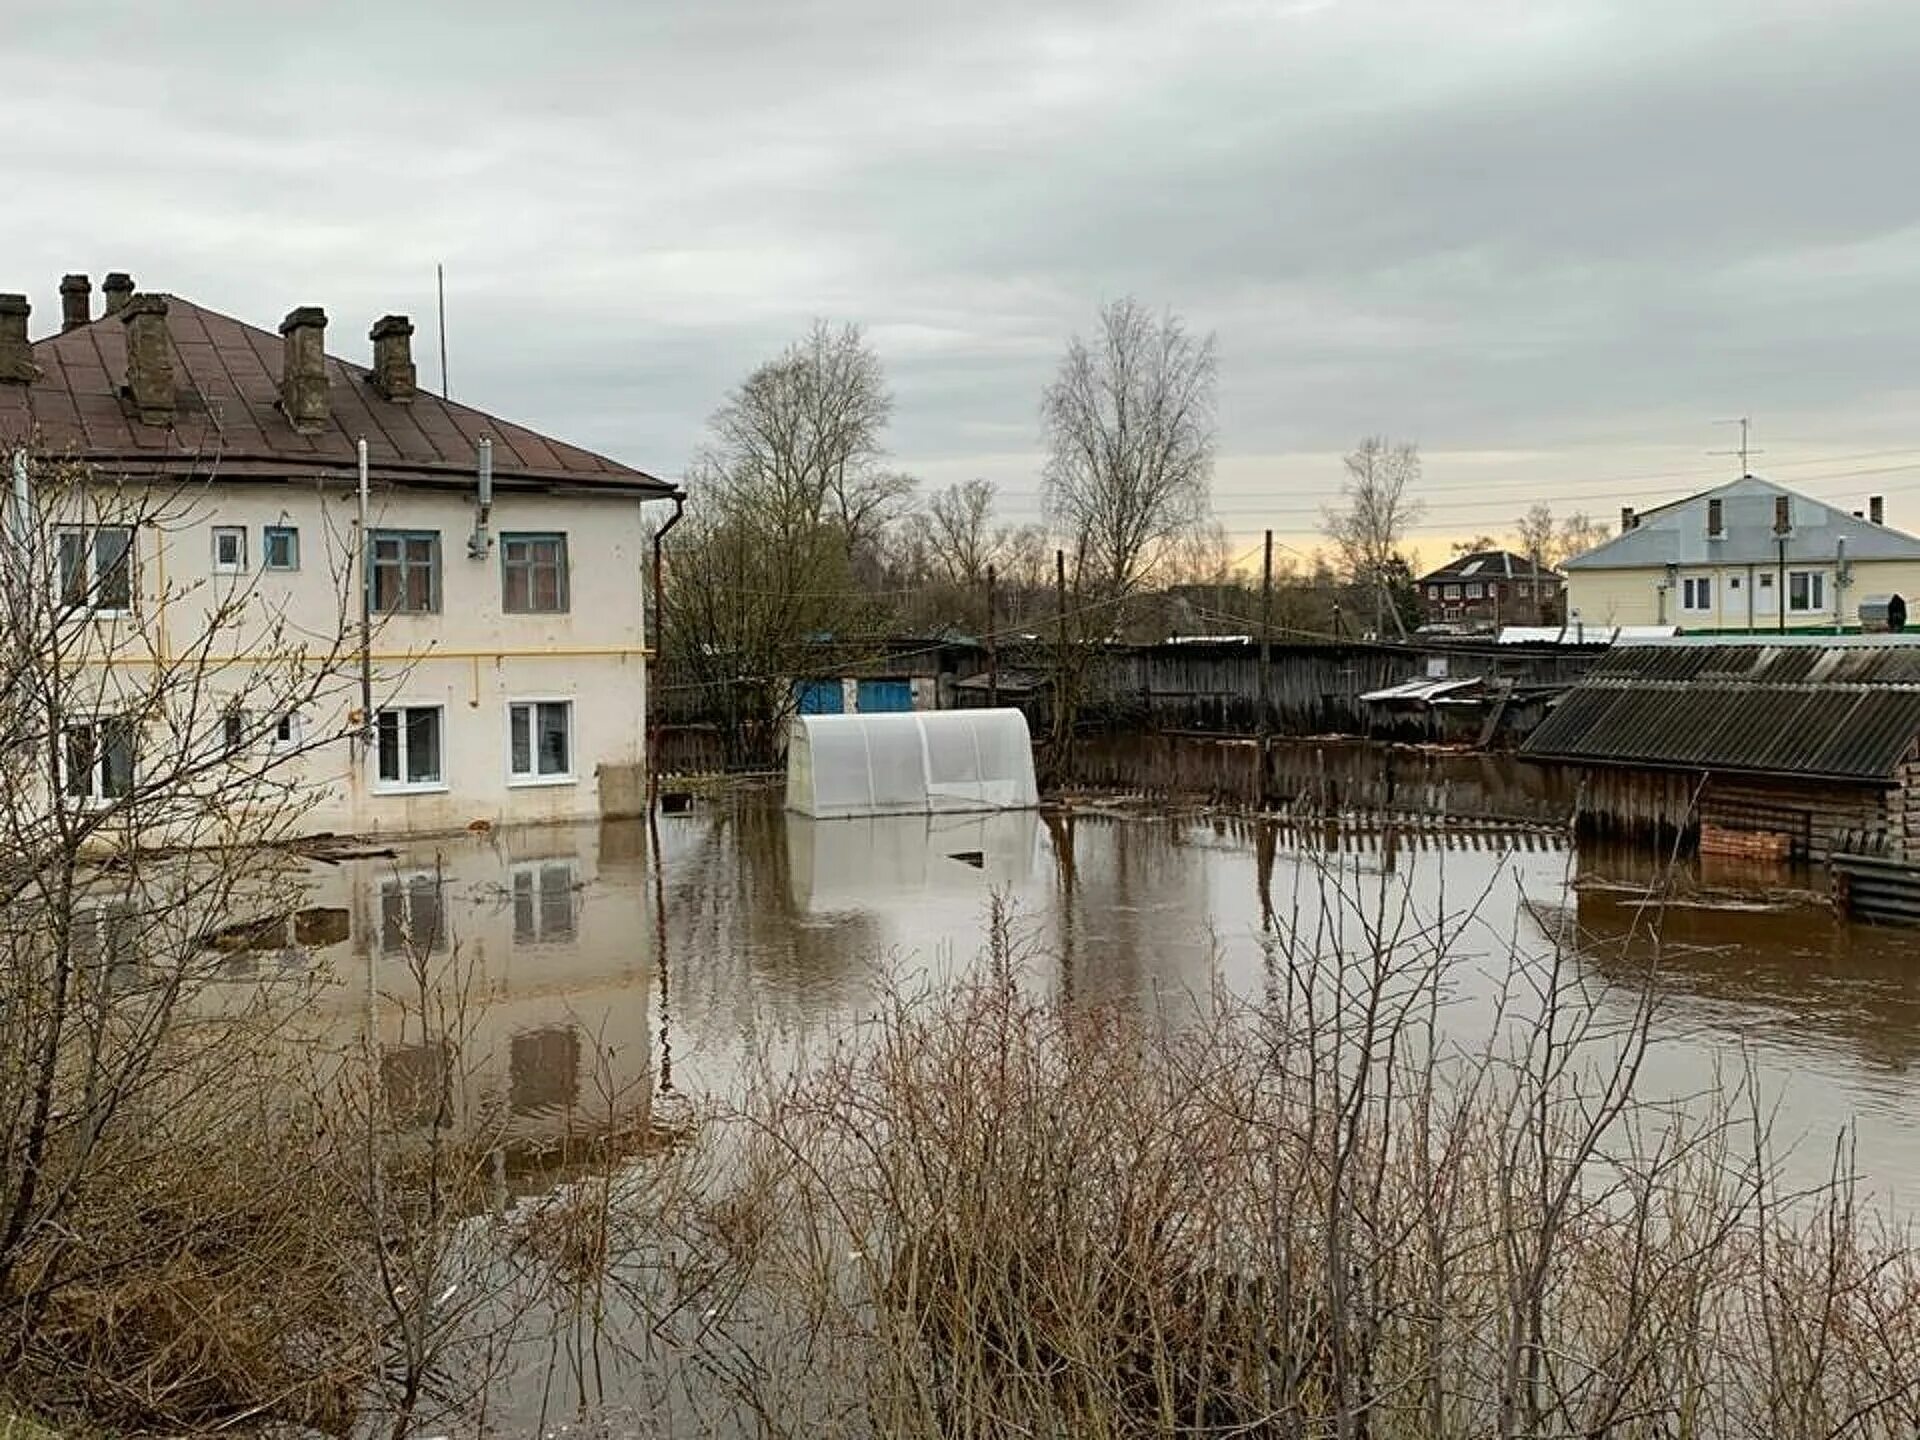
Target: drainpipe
<point>22,500</point>
<point>1781,604</point>
<point>1840,586</point>
<point>659,642</point>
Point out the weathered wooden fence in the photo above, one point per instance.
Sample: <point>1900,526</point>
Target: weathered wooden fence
<point>1329,776</point>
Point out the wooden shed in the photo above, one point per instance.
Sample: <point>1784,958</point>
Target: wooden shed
<point>1797,747</point>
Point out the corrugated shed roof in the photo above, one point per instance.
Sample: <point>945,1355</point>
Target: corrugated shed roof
<point>228,421</point>
<point>1843,712</point>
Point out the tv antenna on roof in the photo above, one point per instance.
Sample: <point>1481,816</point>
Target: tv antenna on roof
<point>440,287</point>
<point>1745,449</point>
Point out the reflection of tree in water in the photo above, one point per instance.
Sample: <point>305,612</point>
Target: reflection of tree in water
<point>1132,906</point>
<point>1717,938</point>
<point>735,937</point>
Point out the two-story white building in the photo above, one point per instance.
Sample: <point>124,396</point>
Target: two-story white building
<point>1747,557</point>
<point>478,587</point>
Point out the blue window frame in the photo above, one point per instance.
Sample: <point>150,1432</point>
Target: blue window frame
<point>280,548</point>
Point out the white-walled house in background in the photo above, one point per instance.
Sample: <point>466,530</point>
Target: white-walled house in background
<point>1747,557</point>
<point>504,652</point>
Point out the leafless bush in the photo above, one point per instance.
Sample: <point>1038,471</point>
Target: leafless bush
<point>999,1214</point>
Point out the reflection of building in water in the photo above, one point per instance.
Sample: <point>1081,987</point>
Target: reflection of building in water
<point>506,976</point>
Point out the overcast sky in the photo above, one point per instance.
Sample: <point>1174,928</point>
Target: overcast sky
<point>1553,243</point>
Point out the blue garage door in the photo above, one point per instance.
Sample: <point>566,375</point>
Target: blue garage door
<point>879,697</point>
<point>819,697</point>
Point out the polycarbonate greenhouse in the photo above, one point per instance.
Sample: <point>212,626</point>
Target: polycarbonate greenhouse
<point>917,763</point>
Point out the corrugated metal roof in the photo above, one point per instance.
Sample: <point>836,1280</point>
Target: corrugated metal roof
<point>1677,534</point>
<point>228,421</point>
<point>1848,712</point>
<point>1421,692</point>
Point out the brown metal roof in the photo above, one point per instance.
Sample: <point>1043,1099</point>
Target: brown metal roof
<point>228,422</point>
<point>1839,712</point>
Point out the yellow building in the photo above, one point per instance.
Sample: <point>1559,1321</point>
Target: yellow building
<point>1747,557</point>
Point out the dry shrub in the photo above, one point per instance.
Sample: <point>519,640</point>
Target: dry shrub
<point>1000,1214</point>
<point>210,1273</point>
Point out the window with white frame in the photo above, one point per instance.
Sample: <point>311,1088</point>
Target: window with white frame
<point>1806,591</point>
<point>280,548</point>
<point>413,915</point>
<point>543,902</point>
<point>407,744</point>
<point>1433,592</point>
<point>533,574</point>
<point>1453,592</point>
<point>97,759</point>
<point>1473,590</point>
<point>229,549</point>
<point>1696,594</point>
<point>96,568</point>
<point>233,731</point>
<point>540,740</point>
<point>288,730</point>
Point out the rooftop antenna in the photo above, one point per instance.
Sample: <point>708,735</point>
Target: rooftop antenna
<point>1743,452</point>
<point>440,286</point>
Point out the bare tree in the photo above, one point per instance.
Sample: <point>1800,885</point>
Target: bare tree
<point>1129,423</point>
<point>1377,510</point>
<point>784,540</point>
<point>143,798</point>
<point>960,530</point>
<point>1474,544</point>
<point>803,433</point>
<point>1579,533</point>
<point>1534,533</point>
<point>1548,544</point>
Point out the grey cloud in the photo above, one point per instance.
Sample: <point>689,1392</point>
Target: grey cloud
<point>1579,225</point>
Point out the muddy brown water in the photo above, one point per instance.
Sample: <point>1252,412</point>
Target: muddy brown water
<point>607,980</point>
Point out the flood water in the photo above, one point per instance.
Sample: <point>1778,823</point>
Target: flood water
<point>602,980</point>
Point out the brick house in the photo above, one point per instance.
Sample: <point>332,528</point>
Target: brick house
<point>1491,588</point>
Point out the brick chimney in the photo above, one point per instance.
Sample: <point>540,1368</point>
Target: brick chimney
<point>76,302</point>
<point>149,357</point>
<point>16,355</point>
<point>118,288</point>
<point>393,373</point>
<point>303,368</point>
<point>1877,509</point>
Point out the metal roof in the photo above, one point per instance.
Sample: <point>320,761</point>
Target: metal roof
<point>1485,564</point>
<point>1422,692</point>
<point>1676,533</point>
<point>1839,712</point>
<point>228,422</point>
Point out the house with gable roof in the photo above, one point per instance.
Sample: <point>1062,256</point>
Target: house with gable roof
<point>1749,557</point>
<point>506,662</point>
<point>1488,589</point>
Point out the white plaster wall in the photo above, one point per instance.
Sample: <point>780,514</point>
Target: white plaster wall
<point>1632,597</point>
<point>471,658</point>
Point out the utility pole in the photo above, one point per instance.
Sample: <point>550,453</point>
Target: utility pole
<point>1266,634</point>
<point>1061,729</point>
<point>993,649</point>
